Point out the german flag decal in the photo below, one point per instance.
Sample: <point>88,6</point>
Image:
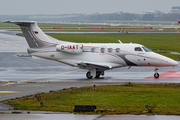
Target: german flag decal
<point>35,32</point>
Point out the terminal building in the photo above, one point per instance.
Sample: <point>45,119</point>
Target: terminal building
<point>175,10</point>
<point>178,8</point>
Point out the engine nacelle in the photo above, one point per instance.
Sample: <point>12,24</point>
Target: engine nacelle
<point>70,48</point>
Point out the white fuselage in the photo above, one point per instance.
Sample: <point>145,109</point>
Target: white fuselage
<point>113,55</point>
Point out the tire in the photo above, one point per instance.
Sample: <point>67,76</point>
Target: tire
<point>156,75</point>
<point>97,74</point>
<point>88,75</point>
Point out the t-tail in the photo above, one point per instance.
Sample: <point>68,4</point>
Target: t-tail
<point>35,37</point>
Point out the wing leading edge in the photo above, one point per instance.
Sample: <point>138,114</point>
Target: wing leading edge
<point>98,66</point>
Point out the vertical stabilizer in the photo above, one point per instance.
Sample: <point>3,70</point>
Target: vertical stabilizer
<point>35,37</point>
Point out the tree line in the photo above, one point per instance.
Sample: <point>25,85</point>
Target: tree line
<point>96,17</point>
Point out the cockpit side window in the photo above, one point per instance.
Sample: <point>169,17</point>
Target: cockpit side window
<point>138,49</point>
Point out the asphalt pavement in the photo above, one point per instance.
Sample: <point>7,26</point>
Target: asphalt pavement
<point>22,75</point>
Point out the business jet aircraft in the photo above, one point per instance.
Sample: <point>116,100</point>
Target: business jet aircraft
<point>95,57</point>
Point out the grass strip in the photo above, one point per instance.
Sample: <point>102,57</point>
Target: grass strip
<point>124,99</point>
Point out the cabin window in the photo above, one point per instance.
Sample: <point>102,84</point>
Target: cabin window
<point>110,50</point>
<point>138,49</point>
<point>93,50</point>
<point>146,49</point>
<point>117,50</point>
<point>102,50</point>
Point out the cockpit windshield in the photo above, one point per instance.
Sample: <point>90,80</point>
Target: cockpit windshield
<point>146,49</point>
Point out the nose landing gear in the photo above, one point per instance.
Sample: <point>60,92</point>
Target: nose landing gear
<point>156,74</point>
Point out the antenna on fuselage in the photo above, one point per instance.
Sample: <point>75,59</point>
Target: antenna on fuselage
<point>81,46</point>
<point>120,42</point>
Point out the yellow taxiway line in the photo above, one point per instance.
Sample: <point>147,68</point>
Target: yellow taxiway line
<point>23,81</point>
<point>9,92</point>
<point>49,76</point>
<point>8,82</point>
<point>4,80</point>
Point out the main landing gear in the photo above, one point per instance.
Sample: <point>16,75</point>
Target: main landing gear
<point>90,74</point>
<point>156,74</point>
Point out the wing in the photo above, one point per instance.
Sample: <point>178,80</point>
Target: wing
<point>90,65</point>
<point>98,66</point>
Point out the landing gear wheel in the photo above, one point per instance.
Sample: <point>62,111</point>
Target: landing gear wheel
<point>156,75</point>
<point>97,74</point>
<point>88,75</point>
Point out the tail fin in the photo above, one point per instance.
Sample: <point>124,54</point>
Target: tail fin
<point>35,37</point>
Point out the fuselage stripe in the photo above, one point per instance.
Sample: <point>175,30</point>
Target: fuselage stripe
<point>159,59</point>
<point>113,55</point>
<point>90,47</point>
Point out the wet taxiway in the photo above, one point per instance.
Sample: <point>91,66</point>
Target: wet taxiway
<point>21,75</point>
<point>17,67</point>
<point>85,117</point>
<point>48,117</point>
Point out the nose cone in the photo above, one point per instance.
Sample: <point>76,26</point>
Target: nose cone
<point>168,61</point>
<point>164,61</point>
<point>173,63</point>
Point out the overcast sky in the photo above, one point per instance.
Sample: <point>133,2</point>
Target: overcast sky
<point>21,7</point>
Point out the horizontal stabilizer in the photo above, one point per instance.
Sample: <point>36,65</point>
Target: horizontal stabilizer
<point>21,23</point>
<point>34,57</point>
